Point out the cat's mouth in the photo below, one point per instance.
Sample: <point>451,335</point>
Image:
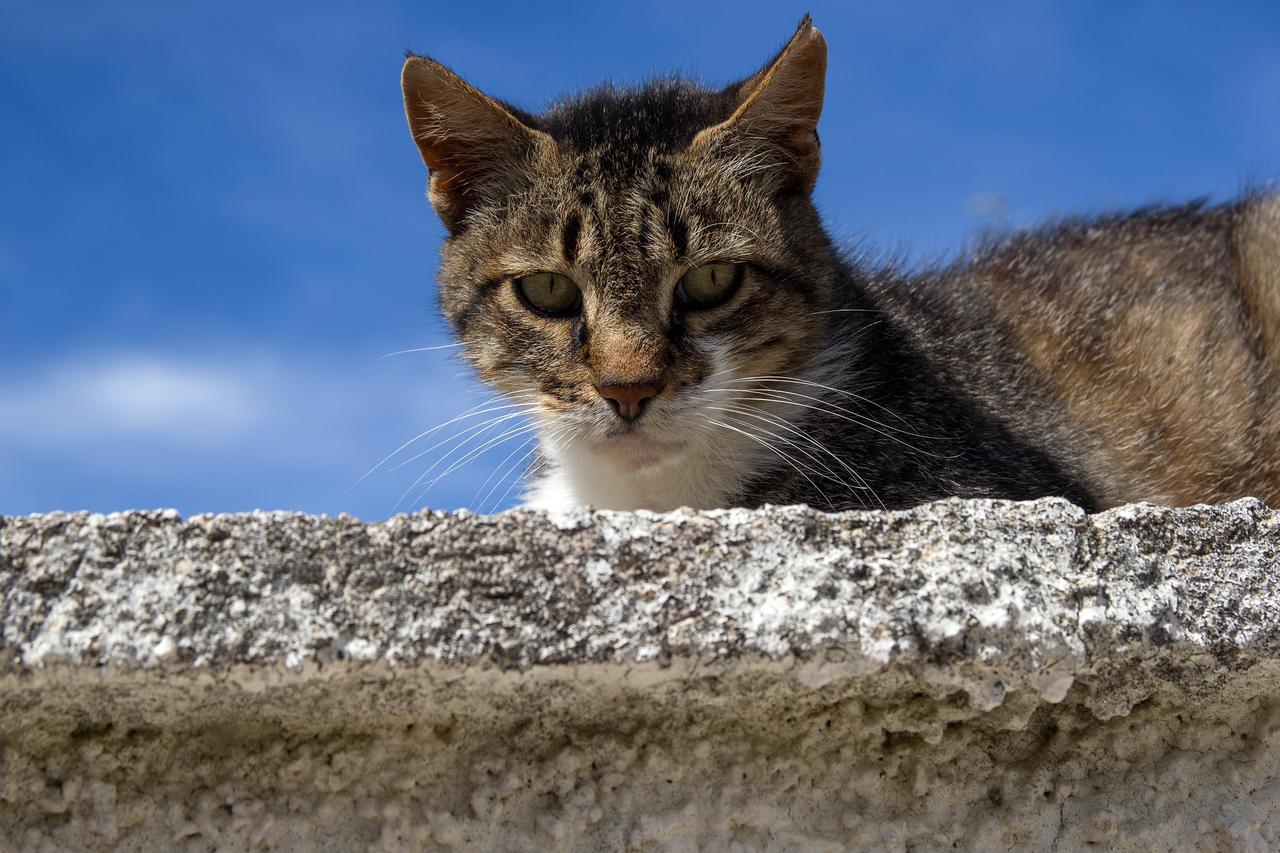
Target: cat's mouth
<point>633,450</point>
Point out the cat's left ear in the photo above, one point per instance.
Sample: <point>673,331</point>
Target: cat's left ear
<point>777,111</point>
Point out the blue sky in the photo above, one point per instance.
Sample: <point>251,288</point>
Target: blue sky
<point>213,228</point>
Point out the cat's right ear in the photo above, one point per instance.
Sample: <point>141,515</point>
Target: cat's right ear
<point>474,147</point>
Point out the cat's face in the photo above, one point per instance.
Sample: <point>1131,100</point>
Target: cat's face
<point>626,263</point>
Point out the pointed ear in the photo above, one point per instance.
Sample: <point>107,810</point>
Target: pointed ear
<point>474,147</point>
<point>777,113</point>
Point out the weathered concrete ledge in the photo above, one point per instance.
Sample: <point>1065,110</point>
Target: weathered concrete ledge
<point>964,675</point>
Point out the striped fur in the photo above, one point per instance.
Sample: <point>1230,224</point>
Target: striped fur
<point>1128,357</point>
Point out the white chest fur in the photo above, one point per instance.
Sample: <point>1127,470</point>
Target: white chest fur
<point>701,477</point>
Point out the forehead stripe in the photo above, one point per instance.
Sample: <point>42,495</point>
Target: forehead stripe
<point>679,233</point>
<point>569,237</point>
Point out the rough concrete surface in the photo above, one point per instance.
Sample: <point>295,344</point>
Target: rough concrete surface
<point>965,675</point>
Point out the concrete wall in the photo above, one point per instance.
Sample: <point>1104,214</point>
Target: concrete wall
<point>963,675</point>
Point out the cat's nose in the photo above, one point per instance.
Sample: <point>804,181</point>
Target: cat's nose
<point>629,399</point>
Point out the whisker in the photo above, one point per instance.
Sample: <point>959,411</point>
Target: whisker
<point>779,422</point>
<point>783,395</point>
<point>511,433</point>
<point>514,480</point>
<point>463,439</point>
<point>736,410</point>
<point>843,393</point>
<point>425,349</point>
<point>476,500</point>
<point>851,417</point>
<point>774,450</point>
<point>489,424</point>
<point>550,439</point>
<point>470,413</point>
<point>857,398</point>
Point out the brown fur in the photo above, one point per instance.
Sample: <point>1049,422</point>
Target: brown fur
<point>1159,350</point>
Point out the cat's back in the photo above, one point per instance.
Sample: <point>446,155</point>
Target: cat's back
<point>1151,345</point>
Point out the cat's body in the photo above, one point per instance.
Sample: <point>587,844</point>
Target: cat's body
<point>1111,360</point>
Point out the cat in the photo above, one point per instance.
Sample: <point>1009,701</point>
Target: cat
<point>644,272</point>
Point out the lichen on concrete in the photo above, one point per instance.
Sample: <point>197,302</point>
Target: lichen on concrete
<point>967,674</point>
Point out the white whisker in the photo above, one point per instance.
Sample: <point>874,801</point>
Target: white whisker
<point>511,433</point>
<point>862,484</point>
<point>550,439</point>
<point>470,413</point>
<point>425,349</point>
<point>468,431</point>
<point>777,452</point>
<point>845,415</point>
<point>477,501</point>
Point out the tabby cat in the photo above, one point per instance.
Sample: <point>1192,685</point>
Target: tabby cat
<point>643,270</point>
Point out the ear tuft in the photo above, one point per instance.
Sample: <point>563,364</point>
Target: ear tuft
<point>473,146</point>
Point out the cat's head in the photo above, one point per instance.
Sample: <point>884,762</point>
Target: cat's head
<point>625,261</point>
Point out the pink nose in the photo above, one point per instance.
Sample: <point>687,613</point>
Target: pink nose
<point>629,400</point>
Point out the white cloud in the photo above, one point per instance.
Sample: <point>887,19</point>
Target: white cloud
<point>218,431</point>
<point>134,396</point>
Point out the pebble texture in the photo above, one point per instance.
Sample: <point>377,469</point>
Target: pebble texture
<point>968,674</point>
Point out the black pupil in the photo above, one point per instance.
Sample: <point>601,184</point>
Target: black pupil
<point>712,288</point>
<point>549,293</point>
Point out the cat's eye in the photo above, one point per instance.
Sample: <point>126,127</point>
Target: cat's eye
<point>708,285</point>
<point>549,293</point>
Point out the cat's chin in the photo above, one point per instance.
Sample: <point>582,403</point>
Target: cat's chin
<point>635,451</point>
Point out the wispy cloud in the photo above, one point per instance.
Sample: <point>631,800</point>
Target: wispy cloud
<point>186,430</point>
<point>133,397</point>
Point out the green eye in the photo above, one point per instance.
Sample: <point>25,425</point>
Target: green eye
<point>549,293</point>
<point>708,285</point>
